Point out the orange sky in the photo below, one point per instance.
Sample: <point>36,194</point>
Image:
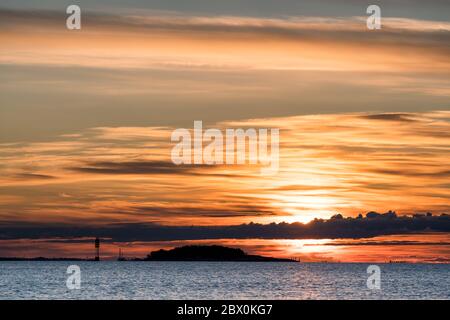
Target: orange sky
<point>86,117</point>
<point>347,163</point>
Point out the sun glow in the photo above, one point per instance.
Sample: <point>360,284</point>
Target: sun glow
<point>303,208</point>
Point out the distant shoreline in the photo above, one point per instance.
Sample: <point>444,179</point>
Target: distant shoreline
<point>38,259</point>
<point>42,259</point>
<point>268,259</point>
<point>185,253</point>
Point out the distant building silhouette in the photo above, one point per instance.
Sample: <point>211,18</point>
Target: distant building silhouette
<point>97,249</point>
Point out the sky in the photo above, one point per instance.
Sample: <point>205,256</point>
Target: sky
<point>86,115</point>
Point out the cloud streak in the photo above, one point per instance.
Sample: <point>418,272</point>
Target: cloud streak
<point>334,228</point>
<point>137,167</point>
<point>183,41</point>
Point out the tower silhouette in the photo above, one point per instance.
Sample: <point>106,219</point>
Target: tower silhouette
<point>121,257</point>
<point>97,249</point>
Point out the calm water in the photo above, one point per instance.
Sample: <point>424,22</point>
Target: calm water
<point>221,280</point>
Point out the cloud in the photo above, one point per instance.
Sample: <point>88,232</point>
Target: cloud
<point>238,210</point>
<point>153,168</point>
<point>136,167</point>
<point>334,228</point>
<point>175,41</point>
<point>290,25</point>
<point>411,173</point>
<point>401,117</point>
<point>384,243</point>
<point>32,176</point>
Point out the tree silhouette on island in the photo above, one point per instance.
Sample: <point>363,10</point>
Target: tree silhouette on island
<point>207,253</point>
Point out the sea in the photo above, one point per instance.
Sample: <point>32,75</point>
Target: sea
<point>70,280</point>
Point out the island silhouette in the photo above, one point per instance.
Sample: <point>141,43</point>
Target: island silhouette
<point>207,253</point>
